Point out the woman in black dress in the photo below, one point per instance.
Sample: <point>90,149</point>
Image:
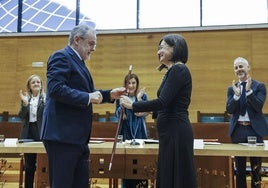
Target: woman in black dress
<point>175,158</point>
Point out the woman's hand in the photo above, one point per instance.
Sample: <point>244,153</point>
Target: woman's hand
<point>126,102</point>
<point>140,114</point>
<point>140,94</point>
<point>24,98</point>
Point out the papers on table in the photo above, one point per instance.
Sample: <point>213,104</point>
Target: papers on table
<point>246,144</point>
<point>212,143</point>
<point>199,143</point>
<point>141,141</point>
<point>96,141</point>
<point>10,141</point>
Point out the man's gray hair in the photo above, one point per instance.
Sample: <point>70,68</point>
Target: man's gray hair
<point>81,31</point>
<point>241,60</point>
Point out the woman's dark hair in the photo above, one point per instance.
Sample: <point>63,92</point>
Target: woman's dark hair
<point>180,48</point>
<point>128,77</point>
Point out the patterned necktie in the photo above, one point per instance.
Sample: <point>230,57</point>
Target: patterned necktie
<point>243,100</point>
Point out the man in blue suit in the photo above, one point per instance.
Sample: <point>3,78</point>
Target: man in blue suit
<point>246,118</point>
<point>67,117</point>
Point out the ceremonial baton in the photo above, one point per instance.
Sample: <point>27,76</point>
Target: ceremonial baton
<point>119,123</point>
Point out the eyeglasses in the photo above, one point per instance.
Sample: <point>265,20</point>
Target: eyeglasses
<point>91,44</point>
<point>239,66</point>
<point>164,46</point>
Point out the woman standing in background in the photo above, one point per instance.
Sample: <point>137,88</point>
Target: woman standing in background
<point>31,113</point>
<point>133,125</point>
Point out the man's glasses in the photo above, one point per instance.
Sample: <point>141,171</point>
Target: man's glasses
<point>91,44</point>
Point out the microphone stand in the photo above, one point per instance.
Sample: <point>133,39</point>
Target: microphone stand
<point>119,123</point>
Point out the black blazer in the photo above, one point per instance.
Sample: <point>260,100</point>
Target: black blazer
<point>24,115</point>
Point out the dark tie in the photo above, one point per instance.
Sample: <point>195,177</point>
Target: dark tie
<point>243,100</point>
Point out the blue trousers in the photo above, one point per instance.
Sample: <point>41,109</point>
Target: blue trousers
<point>68,164</point>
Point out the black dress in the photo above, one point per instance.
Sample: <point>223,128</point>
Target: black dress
<point>175,158</point>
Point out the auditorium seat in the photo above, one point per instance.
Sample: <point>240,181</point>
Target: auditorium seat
<point>211,117</point>
<point>13,118</point>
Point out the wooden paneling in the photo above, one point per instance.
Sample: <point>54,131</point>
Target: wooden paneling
<point>211,55</point>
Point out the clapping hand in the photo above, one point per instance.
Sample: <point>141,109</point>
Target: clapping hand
<point>249,82</point>
<point>236,88</point>
<point>24,97</point>
<point>140,94</point>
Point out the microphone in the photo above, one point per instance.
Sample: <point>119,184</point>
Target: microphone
<point>160,67</point>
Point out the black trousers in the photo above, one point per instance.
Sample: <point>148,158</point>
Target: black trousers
<point>30,158</point>
<point>255,163</point>
<point>29,167</point>
<point>240,135</point>
<point>132,183</point>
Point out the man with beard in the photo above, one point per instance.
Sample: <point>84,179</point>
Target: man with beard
<point>245,100</point>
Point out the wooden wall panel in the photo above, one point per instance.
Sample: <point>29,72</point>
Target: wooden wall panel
<point>211,55</point>
<point>8,54</point>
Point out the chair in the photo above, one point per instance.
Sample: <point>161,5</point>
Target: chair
<point>266,117</point>
<point>111,117</point>
<point>212,117</point>
<point>107,117</point>
<point>14,118</point>
<point>102,118</point>
<point>4,116</point>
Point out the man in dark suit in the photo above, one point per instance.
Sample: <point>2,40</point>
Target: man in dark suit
<point>67,116</point>
<point>246,119</point>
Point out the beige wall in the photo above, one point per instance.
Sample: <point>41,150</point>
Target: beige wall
<point>211,55</point>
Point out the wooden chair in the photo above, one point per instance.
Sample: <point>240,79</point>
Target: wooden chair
<point>111,117</point>
<point>4,116</point>
<point>100,117</point>
<point>13,118</point>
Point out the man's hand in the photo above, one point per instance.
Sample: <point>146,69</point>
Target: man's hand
<point>249,82</point>
<point>95,97</point>
<point>236,89</point>
<point>117,92</point>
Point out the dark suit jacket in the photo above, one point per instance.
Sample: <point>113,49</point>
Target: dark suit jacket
<point>67,115</point>
<point>255,102</point>
<point>24,115</point>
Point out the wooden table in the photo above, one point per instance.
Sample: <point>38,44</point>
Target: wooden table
<point>224,149</point>
<point>133,162</point>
